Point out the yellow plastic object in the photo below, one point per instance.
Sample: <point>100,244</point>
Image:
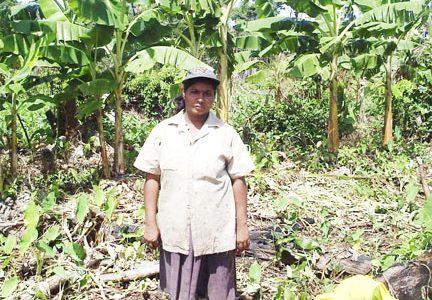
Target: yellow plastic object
<point>358,287</point>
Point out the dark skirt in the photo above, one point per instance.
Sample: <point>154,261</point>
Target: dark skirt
<point>185,277</point>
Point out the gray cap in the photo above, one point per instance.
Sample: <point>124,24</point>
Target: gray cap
<point>201,72</point>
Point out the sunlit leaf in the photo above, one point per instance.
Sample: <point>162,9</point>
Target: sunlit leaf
<point>9,286</point>
<point>52,10</point>
<point>45,248</point>
<point>147,58</point>
<point>51,234</point>
<point>31,215</point>
<point>424,217</point>
<point>411,190</point>
<point>255,272</point>
<point>99,196</point>
<point>82,208</point>
<point>28,237</point>
<point>75,250</point>
<point>9,244</point>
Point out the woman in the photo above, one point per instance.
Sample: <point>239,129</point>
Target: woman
<point>195,166</point>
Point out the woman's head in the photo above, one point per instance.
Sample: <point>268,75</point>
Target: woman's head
<point>199,97</point>
<point>198,91</point>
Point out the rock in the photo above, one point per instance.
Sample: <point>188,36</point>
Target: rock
<point>408,281</point>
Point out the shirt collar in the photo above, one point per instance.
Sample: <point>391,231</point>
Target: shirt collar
<point>179,120</point>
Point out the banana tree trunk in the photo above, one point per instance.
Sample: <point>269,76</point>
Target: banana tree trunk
<point>333,126</point>
<point>14,155</point>
<point>361,100</point>
<point>119,164</point>
<point>105,163</point>
<point>224,72</point>
<point>388,114</point>
<point>223,92</point>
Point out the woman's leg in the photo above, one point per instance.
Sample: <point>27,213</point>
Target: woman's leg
<point>217,276</point>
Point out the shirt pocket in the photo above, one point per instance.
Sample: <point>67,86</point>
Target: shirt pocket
<point>210,167</point>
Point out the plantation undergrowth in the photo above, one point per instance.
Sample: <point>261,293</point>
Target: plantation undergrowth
<point>66,231</point>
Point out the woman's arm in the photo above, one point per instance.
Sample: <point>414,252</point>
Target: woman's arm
<point>151,193</point>
<point>240,197</point>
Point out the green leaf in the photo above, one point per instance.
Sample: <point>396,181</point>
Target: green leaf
<point>99,196</point>
<point>306,66</point>
<point>365,61</point>
<point>281,203</point>
<point>64,30</point>
<point>308,7</point>
<point>16,88</point>
<point>424,216</point>
<point>240,67</point>
<point>31,215</point>
<point>412,190</point>
<point>255,272</point>
<point>59,270</point>
<point>9,286</point>
<point>366,5</point>
<point>88,107</point>
<point>97,87</point>
<point>82,208</point>
<point>111,203</point>
<point>9,244</point>
<point>16,44</point>
<point>147,58</point>
<point>52,10</point>
<point>75,250</point>
<point>249,42</point>
<point>306,243</point>
<point>51,234</point>
<point>98,36</point>
<point>28,237</point>
<point>103,12</point>
<point>49,202</point>
<point>4,70</point>
<point>45,248</point>
<point>258,77</point>
<point>65,55</point>
<point>35,107</point>
<point>392,13</point>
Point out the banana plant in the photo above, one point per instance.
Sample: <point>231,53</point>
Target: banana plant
<point>13,87</point>
<point>317,40</point>
<point>390,27</point>
<point>19,55</point>
<point>201,28</point>
<point>132,49</point>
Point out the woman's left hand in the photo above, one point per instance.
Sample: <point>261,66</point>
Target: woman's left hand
<point>242,238</point>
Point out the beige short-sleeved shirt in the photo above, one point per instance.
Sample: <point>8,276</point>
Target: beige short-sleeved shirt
<point>196,192</point>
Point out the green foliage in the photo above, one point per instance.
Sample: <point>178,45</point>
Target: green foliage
<point>9,286</point>
<point>268,126</point>
<point>412,114</point>
<point>255,272</point>
<point>151,92</point>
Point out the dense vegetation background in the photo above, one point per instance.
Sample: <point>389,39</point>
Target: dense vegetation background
<point>332,97</point>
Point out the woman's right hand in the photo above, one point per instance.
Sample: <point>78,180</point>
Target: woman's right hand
<point>151,235</point>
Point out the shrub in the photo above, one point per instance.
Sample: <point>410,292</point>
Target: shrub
<point>152,92</point>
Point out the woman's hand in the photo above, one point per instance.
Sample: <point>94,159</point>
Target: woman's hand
<point>151,193</point>
<point>240,197</point>
<point>151,235</point>
<point>242,238</point>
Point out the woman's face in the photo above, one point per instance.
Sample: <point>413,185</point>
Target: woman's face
<point>199,98</point>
